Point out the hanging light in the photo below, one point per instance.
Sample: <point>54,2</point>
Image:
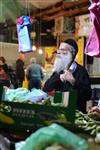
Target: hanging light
<point>40,51</point>
<point>34,48</point>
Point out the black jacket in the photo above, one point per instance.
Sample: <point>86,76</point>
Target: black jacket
<point>82,85</point>
<point>20,74</point>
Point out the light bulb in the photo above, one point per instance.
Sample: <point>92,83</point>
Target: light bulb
<point>40,51</point>
<point>34,48</point>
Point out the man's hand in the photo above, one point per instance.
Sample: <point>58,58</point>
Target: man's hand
<point>67,76</point>
<point>95,112</point>
<point>94,109</point>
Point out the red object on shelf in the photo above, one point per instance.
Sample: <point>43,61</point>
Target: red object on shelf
<point>51,93</point>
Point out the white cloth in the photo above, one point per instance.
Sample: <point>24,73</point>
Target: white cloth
<point>67,75</point>
<point>73,67</point>
<point>99,103</point>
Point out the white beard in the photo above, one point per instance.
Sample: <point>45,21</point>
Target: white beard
<point>62,62</point>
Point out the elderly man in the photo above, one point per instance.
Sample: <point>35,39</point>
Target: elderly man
<point>69,75</point>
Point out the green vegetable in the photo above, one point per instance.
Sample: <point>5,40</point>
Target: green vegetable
<point>88,124</point>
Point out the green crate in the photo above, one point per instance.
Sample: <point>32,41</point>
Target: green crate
<point>30,116</point>
<point>1,91</point>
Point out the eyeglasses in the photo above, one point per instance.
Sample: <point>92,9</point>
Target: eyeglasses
<point>62,51</point>
<point>65,51</point>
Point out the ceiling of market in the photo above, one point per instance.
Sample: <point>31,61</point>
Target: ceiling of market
<point>50,9</point>
<point>42,4</point>
<point>46,10</point>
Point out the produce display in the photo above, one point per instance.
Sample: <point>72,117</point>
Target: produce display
<point>30,113</point>
<point>86,122</point>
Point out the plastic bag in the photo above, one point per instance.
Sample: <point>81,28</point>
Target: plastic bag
<point>25,84</point>
<point>47,136</point>
<point>93,44</point>
<point>16,94</point>
<point>36,95</point>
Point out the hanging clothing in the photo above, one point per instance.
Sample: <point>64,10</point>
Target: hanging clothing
<point>93,44</point>
<point>24,25</point>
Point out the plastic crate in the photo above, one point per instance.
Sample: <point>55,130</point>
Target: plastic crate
<point>1,91</point>
<point>33,116</point>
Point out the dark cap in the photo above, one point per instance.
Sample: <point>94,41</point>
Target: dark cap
<point>72,43</point>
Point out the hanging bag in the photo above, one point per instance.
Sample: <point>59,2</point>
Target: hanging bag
<point>24,24</point>
<point>93,44</point>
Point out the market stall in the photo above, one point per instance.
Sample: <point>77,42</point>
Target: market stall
<point>19,119</point>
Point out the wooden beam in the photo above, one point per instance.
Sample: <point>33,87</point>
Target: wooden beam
<point>70,12</point>
<point>64,6</point>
